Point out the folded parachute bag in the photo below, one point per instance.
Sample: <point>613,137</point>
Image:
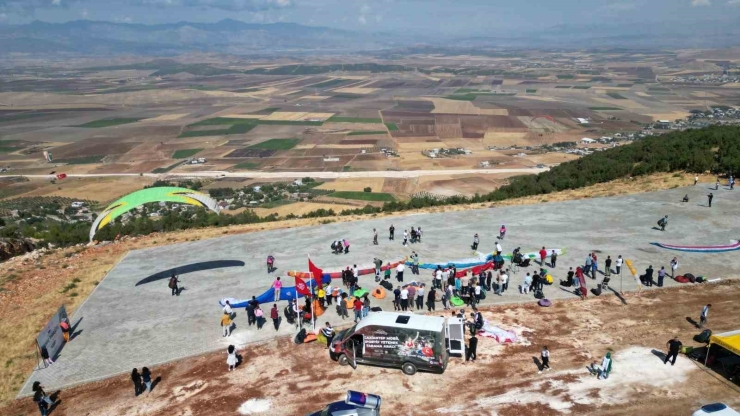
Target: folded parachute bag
<point>360,293</point>
<point>691,277</point>
<point>456,301</point>
<point>379,292</point>
<point>544,302</point>
<point>682,279</point>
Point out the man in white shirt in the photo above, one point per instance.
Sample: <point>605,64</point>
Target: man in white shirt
<point>405,237</point>
<point>399,271</point>
<point>227,308</point>
<point>504,282</point>
<point>438,278</point>
<point>499,250</point>
<point>476,291</point>
<point>619,264</point>
<point>355,272</point>
<point>404,298</point>
<point>420,298</point>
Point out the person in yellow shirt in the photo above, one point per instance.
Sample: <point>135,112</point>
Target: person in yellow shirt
<point>322,294</point>
<point>226,324</point>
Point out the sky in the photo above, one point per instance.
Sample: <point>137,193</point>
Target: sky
<point>438,17</point>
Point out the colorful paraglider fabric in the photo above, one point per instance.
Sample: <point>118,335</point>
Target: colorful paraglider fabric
<point>360,293</point>
<point>158,194</point>
<point>327,276</point>
<point>734,245</point>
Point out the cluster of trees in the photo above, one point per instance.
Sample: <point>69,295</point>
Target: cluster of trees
<point>715,149</point>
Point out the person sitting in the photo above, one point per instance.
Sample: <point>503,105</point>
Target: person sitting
<point>685,198</point>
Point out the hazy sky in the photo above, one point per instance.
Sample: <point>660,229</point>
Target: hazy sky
<point>442,17</point>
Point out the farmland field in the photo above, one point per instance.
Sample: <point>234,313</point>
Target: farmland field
<point>337,119</point>
<point>277,144</point>
<point>363,132</point>
<point>363,196</point>
<point>109,122</point>
<point>185,153</point>
<point>81,160</point>
<point>615,95</point>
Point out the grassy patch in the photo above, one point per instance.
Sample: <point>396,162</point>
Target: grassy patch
<point>604,108</point>
<point>347,96</point>
<point>624,85</point>
<point>581,87</point>
<point>391,126</point>
<point>467,91</point>
<point>658,89</point>
<point>336,119</point>
<point>366,132</point>
<point>247,90</point>
<point>563,86</point>
<point>531,91</point>
<point>566,76</point>
<point>276,144</point>
<point>329,83</point>
<point>615,95</point>
<point>185,153</point>
<point>246,165</point>
<point>108,122</point>
<point>80,160</point>
<point>364,196</point>
<point>21,116</point>
<point>289,122</point>
<point>168,168</point>
<point>234,129</point>
<point>464,97</point>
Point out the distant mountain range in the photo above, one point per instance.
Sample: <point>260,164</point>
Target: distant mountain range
<point>236,37</point>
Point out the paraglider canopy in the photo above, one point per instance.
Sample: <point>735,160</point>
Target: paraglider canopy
<point>158,194</point>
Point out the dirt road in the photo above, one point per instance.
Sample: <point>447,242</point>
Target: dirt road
<point>281,378</point>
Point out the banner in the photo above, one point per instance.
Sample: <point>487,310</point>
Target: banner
<point>300,287</point>
<point>51,336</point>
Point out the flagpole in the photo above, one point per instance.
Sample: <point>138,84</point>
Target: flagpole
<point>313,322</point>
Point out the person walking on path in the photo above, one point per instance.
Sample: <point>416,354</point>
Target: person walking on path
<point>405,237</point>
<point>709,199</point>
<point>259,317</point>
<point>173,285</point>
<point>608,266</point>
<point>663,222</point>
<point>41,398</point>
<point>391,231</point>
<point>471,351</point>
<point>225,324</point>
<point>553,259</point>
<point>45,356</point>
<point>275,316</point>
<point>545,355</point>
<point>587,266</point>
<point>328,333</point>
<point>696,180</point>
<point>64,325</point>
<point>704,314</point>
<point>146,378</point>
<point>357,306</point>
<point>661,276</point>
<point>476,240</point>
<point>375,236</point>
<point>502,232</point>
<point>231,359</point>
<point>674,346</point>
<point>619,263</point>
<point>277,285</point>
<point>136,379</point>
<point>674,266</point>
<point>543,255</point>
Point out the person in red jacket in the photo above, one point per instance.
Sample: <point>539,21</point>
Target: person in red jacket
<point>358,309</point>
<point>275,316</point>
<point>543,254</point>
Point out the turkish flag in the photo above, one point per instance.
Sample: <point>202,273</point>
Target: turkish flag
<point>61,175</point>
<point>301,287</point>
<point>317,273</point>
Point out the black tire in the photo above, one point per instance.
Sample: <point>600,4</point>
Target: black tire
<point>343,360</point>
<point>408,368</point>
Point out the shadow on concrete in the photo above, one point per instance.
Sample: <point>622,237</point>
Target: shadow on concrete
<point>73,332</point>
<point>692,321</point>
<point>659,354</point>
<point>537,362</point>
<point>618,295</point>
<point>189,268</point>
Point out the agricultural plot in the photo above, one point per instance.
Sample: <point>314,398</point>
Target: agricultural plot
<point>276,144</point>
<point>246,166</point>
<point>109,122</point>
<point>615,95</point>
<point>337,119</point>
<point>84,160</point>
<point>364,196</point>
<point>247,152</point>
<point>391,126</point>
<point>366,132</point>
<point>185,153</point>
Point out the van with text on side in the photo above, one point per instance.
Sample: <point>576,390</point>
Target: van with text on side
<point>387,339</point>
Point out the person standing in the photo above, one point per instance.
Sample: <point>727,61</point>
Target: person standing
<point>476,240</point>
<point>251,305</point>
<point>418,235</point>
<point>716,185</point>
<point>227,308</point>
<point>41,397</point>
<point>375,236</point>
<point>553,258</point>
<point>378,263</point>
<point>545,355</point>
<point>471,352</point>
<point>173,285</point>
<point>587,266</point>
<point>420,298</point>
<point>259,317</point>
<point>392,231</point>
<point>399,271</point>
<point>387,273</point>
<point>225,325</point>
<point>704,314</point>
<point>231,359</point>
<point>45,356</point>
<point>404,298</point>
<point>328,333</point>
<point>64,325</point>
<point>277,285</point>
<point>502,232</point>
<point>661,276</point>
<point>146,378</point>
<point>499,250</point>
<point>438,277</point>
<point>608,266</point>
<point>543,255</point>
<point>674,266</point>
<point>505,281</point>
<point>619,263</point>
<point>414,263</point>
<point>431,298</point>
<point>696,179</point>
<point>397,298</point>
<point>405,237</point>
<point>275,316</point>
<point>594,265</point>
<point>365,305</point>
<point>709,198</point>
<point>136,379</point>
<point>674,346</point>
<point>358,310</point>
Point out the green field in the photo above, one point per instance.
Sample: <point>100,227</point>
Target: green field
<point>329,83</point>
<point>366,132</point>
<point>336,119</point>
<point>658,89</point>
<point>21,116</point>
<point>391,126</point>
<point>276,144</point>
<point>168,168</point>
<point>605,108</point>
<point>247,90</point>
<point>364,196</point>
<point>581,87</point>
<point>467,91</point>
<point>80,160</point>
<point>615,95</point>
<point>246,165</point>
<point>234,129</point>
<point>185,153</point>
<point>108,122</point>
<point>624,85</point>
<point>563,86</point>
<point>531,91</point>
<point>347,96</point>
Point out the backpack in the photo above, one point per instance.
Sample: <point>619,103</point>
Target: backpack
<point>300,336</point>
<point>173,282</point>
<point>704,336</point>
<point>387,285</point>
<point>661,221</point>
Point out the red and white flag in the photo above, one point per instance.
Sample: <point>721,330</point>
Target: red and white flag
<point>301,287</point>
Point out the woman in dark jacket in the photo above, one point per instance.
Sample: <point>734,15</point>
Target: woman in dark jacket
<point>431,297</point>
<point>136,379</point>
<point>146,377</point>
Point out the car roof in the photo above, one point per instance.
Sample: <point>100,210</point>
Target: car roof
<point>390,319</point>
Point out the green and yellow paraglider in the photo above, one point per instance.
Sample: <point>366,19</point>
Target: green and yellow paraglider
<point>145,196</point>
